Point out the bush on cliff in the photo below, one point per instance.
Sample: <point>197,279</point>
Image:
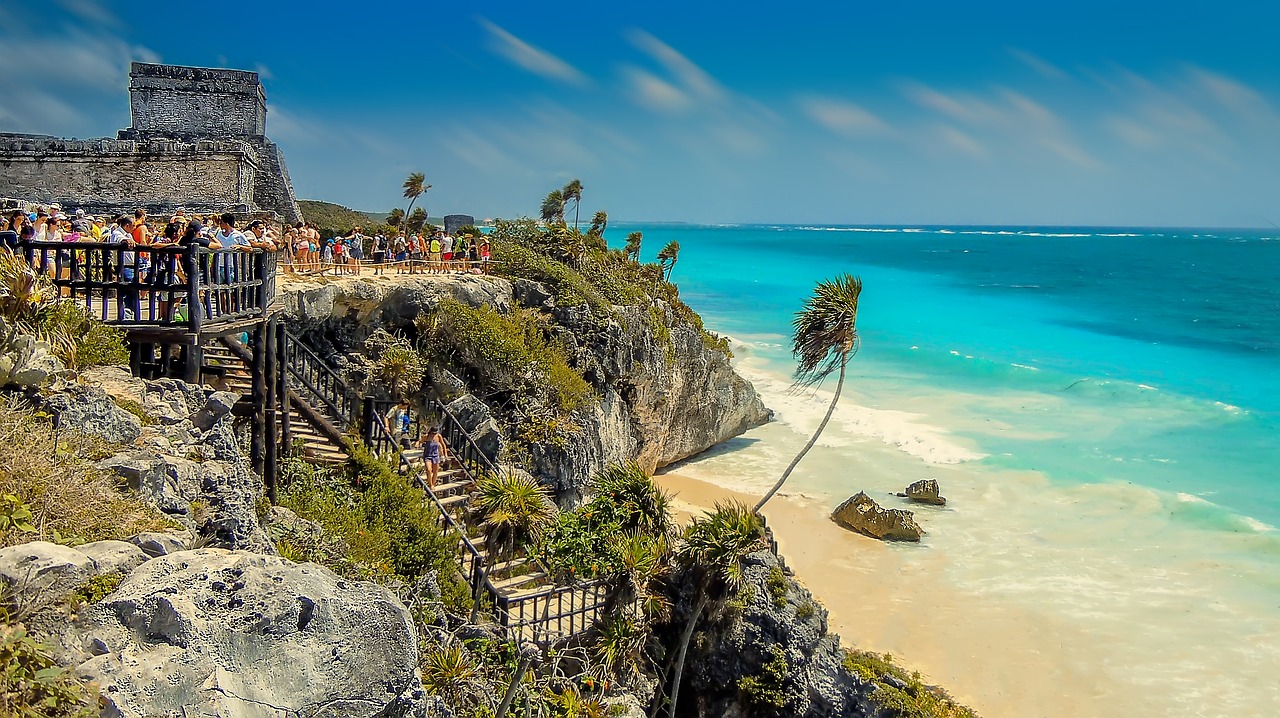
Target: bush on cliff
<point>912,700</point>
<point>52,474</point>
<point>506,353</point>
<point>378,526</point>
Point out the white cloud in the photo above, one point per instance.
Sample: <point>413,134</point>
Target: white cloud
<point>532,59</point>
<point>841,117</point>
<point>263,71</point>
<point>90,12</point>
<point>958,141</point>
<point>653,92</point>
<point>693,79</point>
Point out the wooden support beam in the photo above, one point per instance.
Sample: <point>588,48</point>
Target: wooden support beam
<point>258,397</point>
<point>282,362</point>
<point>271,469</point>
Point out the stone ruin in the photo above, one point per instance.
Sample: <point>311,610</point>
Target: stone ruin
<point>198,140</point>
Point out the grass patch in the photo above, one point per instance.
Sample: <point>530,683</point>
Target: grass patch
<point>66,494</point>
<point>915,701</point>
<point>136,409</point>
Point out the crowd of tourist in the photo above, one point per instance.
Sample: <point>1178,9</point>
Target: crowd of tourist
<point>301,247</point>
<point>438,253</point>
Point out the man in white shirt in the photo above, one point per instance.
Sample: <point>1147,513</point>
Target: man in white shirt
<point>446,251</point>
<point>232,240</point>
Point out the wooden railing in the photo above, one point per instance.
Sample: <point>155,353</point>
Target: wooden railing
<point>191,288</point>
<point>544,616</point>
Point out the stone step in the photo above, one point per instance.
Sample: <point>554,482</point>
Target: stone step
<point>507,584</point>
<point>450,502</point>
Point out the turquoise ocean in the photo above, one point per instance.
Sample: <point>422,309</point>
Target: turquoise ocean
<point>1102,405</point>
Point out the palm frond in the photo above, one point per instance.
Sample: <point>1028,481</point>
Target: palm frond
<point>825,332</point>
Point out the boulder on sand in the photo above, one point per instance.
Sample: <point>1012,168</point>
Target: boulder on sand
<point>862,514</point>
<point>924,491</point>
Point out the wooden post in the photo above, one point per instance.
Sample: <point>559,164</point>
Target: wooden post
<point>272,468</point>
<point>258,397</point>
<point>194,358</point>
<point>369,415</point>
<point>195,310</point>
<point>282,370</point>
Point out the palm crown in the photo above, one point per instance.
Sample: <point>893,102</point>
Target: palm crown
<point>825,333</point>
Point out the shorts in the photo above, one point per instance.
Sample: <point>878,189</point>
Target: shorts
<point>448,256</point>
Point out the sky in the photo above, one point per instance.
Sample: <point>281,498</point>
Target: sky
<point>1084,113</point>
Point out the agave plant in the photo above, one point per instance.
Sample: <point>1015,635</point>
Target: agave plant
<point>26,296</point>
<point>642,560</point>
<point>620,646</point>
<point>449,672</point>
<point>513,508</point>
<point>643,506</point>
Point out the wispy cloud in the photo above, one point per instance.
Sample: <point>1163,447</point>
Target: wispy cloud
<point>532,59</point>
<point>1038,64</point>
<point>841,117</point>
<point>687,75</point>
<point>653,92</point>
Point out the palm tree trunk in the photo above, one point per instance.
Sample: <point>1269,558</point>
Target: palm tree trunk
<point>511,687</point>
<point>404,223</point>
<point>844,362</point>
<point>684,647</point>
<point>576,202</point>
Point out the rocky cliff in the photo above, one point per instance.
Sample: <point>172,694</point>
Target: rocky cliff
<point>663,394</point>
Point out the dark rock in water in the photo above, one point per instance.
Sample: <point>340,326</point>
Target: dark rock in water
<point>924,491</point>
<point>215,632</point>
<point>862,514</point>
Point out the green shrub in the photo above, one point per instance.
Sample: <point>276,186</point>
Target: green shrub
<point>516,261</point>
<point>33,684</point>
<point>916,701</point>
<point>777,585</point>
<point>386,529</point>
<point>767,689</point>
<point>507,353</point>
<point>95,589</point>
<point>82,341</point>
<point>806,610</point>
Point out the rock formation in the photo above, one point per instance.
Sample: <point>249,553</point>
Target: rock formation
<point>217,632</point>
<point>862,514</point>
<point>662,398</point>
<point>924,491</point>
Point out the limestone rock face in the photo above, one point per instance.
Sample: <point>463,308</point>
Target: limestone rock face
<point>792,625</point>
<point>89,410</point>
<point>925,491</point>
<point>161,544</point>
<point>39,567</point>
<point>664,394</point>
<point>862,514</point>
<point>216,632</point>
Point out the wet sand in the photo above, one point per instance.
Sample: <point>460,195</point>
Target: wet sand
<point>893,598</point>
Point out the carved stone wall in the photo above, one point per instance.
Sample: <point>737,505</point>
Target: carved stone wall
<point>198,141</point>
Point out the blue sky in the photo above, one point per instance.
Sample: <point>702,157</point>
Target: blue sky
<point>1104,113</point>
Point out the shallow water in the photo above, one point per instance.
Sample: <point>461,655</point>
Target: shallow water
<point>1100,406</point>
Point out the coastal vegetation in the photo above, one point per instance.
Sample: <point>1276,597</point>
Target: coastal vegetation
<point>824,338</point>
<point>336,220</point>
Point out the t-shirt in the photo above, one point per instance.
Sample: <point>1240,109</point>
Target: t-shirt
<point>446,245</point>
<point>119,236</point>
<point>435,246</point>
<point>231,239</point>
<point>398,419</point>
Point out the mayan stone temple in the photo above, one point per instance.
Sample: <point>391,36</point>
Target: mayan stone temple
<point>198,140</point>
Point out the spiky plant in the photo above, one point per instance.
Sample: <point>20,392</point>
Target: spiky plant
<point>393,363</point>
<point>667,258</point>
<point>619,646</point>
<point>448,672</point>
<point>552,209</point>
<point>513,508</point>
<point>634,239</point>
<point>824,338</point>
<point>26,296</point>
<point>713,549</point>
<point>643,506</point>
<point>641,560</point>
<point>599,221</point>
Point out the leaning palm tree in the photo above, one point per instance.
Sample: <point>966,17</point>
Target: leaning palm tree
<point>825,338</point>
<point>553,207</point>
<point>572,192</point>
<point>599,221</point>
<point>667,258</point>
<point>633,245</point>
<point>713,551</point>
<point>413,189</point>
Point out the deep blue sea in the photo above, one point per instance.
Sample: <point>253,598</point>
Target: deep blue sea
<point>1105,401</point>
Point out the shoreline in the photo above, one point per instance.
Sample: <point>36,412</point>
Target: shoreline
<point>894,598</point>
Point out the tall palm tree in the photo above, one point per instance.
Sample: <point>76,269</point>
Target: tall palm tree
<point>553,207</point>
<point>633,245</point>
<point>668,257</point>
<point>572,192</point>
<point>825,338</point>
<point>413,188</point>
<point>713,550</point>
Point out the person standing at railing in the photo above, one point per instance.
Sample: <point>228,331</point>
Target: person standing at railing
<point>398,421</point>
<point>232,240</point>
<point>434,451</point>
<point>126,270</point>
<point>379,252</point>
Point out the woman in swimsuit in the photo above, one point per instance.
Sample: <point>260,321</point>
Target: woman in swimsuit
<point>434,451</point>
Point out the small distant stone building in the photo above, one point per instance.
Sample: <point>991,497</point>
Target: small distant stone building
<point>198,140</point>
<point>454,222</point>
